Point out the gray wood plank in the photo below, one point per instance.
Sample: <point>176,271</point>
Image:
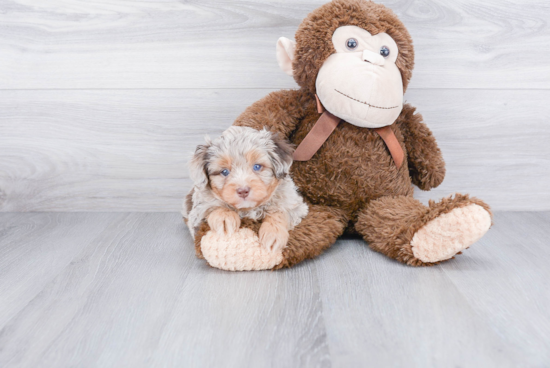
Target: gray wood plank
<point>128,291</point>
<point>111,299</point>
<point>495,145</point>
<point>34,248</point>
<point>380,311</point>
<point>246,319</point>
<point>126,150</point>
<point>136,296</point>
<point>505,279</point>
<point>231,44</point>
<point>106,150</point>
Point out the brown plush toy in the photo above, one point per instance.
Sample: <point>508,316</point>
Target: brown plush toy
<point>360,148</point>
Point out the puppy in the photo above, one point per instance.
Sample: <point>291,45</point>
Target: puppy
<point>244,174</point>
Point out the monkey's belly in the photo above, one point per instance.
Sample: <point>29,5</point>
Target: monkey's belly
<point>352,168</point>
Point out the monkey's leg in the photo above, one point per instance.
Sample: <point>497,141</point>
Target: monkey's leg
<point>242,250</point>
<point>317,232</point>
<point>404,229</point>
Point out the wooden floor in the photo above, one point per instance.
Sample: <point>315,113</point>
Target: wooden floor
<point>125,290</point>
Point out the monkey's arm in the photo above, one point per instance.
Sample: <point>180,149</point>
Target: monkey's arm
<point>426,165</point>
<point>279,111</point>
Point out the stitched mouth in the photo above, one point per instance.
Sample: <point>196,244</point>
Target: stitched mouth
<point>366,103</point>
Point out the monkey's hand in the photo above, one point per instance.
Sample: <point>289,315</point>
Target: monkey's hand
<point>224,221</point>
<point>273,233</point>
<point>426,165</point>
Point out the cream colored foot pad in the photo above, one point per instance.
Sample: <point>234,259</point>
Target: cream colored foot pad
<point>241,251</point>
<point>450,233</point>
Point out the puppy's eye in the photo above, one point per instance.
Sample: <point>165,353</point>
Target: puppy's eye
<point>225,172</point>
<point>257,167</point>
<point>351,43</point>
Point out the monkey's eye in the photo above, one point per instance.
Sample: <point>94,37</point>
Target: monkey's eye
<point>384,51</point>
<point>257,167</point>
<point>352,43</point>
<point>225,172</point>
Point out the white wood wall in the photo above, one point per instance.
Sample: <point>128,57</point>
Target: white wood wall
<point>103,101</point>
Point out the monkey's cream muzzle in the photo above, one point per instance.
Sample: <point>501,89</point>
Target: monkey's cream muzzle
<point>373,57</point>
<point>360,85</point>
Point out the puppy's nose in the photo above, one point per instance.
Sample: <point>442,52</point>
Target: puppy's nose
<point>243,192</point>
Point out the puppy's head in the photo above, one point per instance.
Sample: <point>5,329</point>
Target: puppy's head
<point>243,167</point>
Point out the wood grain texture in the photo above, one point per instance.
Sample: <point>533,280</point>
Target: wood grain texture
<point>27,241</point>
<point>402,323</point>
<point>231,44</point>
<point>126,150</point>
<point>509,269</point>
<point>253,319</point>
<point>111,290</point>
<point>122,279</point>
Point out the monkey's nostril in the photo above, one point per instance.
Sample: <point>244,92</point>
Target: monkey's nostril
<point>243,192</point>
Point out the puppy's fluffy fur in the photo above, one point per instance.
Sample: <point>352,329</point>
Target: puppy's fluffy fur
<point>244,174</point>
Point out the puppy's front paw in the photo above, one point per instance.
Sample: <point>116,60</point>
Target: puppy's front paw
<point>224,221</point>
<point>273,236</point>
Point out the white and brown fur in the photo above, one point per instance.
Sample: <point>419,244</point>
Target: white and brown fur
<point>272,195</point>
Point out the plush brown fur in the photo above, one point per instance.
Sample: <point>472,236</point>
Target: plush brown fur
<point>313,38</point>
<point>352,183</point>
<point>354,165</point>
<point>389,223</point>
<point>318,231</point>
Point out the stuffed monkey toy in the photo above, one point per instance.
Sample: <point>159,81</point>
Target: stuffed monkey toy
<point>359,148</point>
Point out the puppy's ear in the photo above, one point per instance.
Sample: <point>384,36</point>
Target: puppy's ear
<point>198,166</point>
<point>281,156</point>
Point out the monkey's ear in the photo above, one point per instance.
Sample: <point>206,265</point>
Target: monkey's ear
<point>198,170</point>
<point>285,54</point>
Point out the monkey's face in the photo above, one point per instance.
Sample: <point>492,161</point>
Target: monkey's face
<point>357,57</point>
<point>360,83</point>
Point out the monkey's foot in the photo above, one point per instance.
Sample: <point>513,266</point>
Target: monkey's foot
<point>240,251</point>
<point>450,233</point>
